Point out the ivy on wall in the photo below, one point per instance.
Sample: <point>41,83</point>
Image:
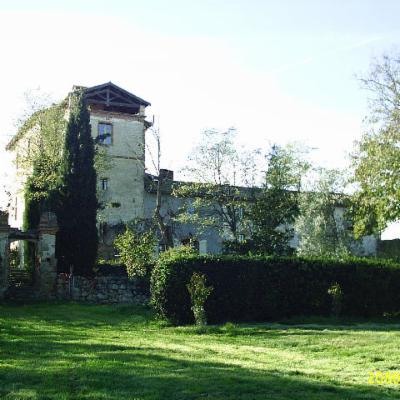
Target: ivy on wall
<point>59,158</point>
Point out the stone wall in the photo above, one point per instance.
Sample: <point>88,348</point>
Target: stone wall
<point>110,289</point>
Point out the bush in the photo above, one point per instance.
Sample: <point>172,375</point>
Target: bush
<point>198,293</point>
<point>266,288</point>
<point>336,294</point>
<point>136,251</point>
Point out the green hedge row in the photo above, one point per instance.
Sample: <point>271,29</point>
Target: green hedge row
<point>266,288</point>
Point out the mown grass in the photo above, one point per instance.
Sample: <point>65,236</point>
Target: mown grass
<point>72,351</point>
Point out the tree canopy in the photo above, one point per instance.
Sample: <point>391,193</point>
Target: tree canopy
<point>376,158</point>
<point>275,208</point>
<point>220,173</point>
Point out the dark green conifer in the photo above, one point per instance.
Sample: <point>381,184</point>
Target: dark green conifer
<point>76,211</point>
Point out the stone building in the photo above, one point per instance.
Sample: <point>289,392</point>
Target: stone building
<point>118,124</point>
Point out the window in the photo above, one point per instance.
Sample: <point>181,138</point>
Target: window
<point>240,213</point>
<point>104,183</point>
<point>104,133</point>
<point>241,238</point>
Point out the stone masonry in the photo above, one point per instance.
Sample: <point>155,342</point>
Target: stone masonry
<point>102,289</point>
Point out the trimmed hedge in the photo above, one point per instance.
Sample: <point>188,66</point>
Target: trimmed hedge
<point>266,288</point>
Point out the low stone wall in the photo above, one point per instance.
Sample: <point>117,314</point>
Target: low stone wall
<point>102,289</point>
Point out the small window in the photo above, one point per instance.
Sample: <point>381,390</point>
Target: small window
<point>104,183</point>
<point>104,134</point>
<point>240,213</point>
<point>241,238</point>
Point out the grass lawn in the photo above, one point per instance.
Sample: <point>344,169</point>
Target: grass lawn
<point>72,351</point>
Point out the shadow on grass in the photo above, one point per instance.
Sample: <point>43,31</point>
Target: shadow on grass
<point>46,367</point>
<point>51,352</point>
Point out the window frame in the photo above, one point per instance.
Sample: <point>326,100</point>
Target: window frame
<point>101,141</point>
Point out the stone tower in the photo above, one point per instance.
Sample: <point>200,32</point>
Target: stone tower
<point>118,127</point>
<point>118,123</point>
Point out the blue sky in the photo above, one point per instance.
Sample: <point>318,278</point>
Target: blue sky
<point>276,70</point>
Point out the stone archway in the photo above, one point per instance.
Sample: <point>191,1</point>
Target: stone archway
<point>44,237</point>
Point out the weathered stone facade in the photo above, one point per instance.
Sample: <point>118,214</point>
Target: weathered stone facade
<point>102,289</point>
<point>123,198</point>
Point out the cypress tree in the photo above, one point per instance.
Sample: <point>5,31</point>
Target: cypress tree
<point>77,239</point>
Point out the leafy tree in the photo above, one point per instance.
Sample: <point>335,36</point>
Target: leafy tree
<point>136,249</point>
<point>219,193</point>
<point>77,205</point>
<point>322,229</point>
<point>43,157</point>
<point>376,159</point>
<point>276,207</point>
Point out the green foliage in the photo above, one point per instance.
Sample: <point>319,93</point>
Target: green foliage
<point>389,249</point>
<point>265,288</point>
<point>336,293</point>
<point>43,156</point>
<point>376,158</point>
<point>276,207</point>
<point>176,253</point>
<point>14,258</point>
<point>136,250</point>
<point>307,358</point>
<point>217,197</point>
<point>272,214</point>
<point>199,293</point>
<point>322,230</point>
<point>162,283</point>
<point>76,209</point>
<point>235,247</point>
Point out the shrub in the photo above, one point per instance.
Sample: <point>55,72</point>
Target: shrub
<point>198,293</point>
<point>336,294</point>
<point>136,250</point>
<point>265,288</point>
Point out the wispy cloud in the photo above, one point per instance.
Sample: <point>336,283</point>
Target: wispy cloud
<point>329,52</point>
